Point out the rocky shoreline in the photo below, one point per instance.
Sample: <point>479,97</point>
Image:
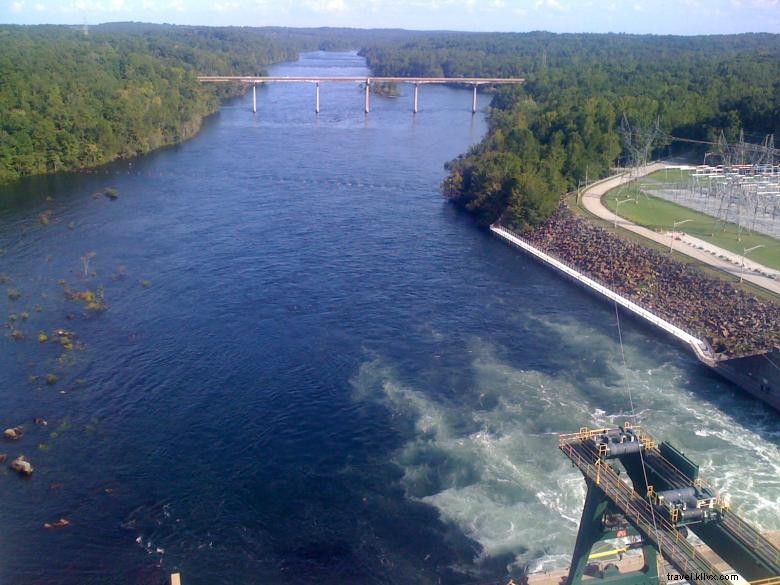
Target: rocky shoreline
<point>734,323</point>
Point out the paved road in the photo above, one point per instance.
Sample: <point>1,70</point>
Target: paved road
<point>591,199</point>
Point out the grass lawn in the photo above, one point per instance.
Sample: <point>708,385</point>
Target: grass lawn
<point>748,287</point>
<point>660,215</point>
<point>665,176</point>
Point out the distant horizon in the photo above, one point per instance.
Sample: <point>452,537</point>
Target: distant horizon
<point>379,28</point>
<point>655,17</point>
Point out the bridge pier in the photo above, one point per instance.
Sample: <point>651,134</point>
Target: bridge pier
<point>474,101</point>
<point>317,97</point>
<point>367,106</point>
<point>416,87</point>
<point>254,98</point>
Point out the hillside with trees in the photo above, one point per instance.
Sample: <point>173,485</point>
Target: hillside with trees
<point>562,125</point>
<point>74,98</point>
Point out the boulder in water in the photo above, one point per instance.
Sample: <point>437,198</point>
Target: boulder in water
<point>22,466</point>
<point>61,523</point>
<point>13,434</point>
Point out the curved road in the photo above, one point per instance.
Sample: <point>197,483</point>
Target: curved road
<point>591,200</point>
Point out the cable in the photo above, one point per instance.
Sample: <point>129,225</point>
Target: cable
<point>636,423</point>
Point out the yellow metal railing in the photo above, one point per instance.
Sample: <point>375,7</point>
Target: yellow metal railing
<point>669,540</point>
<point>641,509</point>
<point>767,581</point>
<point>650,444</point>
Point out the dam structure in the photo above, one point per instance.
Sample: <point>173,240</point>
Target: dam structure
<point>756,374</point>
<point>367,82</point>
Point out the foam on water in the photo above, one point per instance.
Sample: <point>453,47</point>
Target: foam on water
<point>487,468</point>
<point>488,460</point>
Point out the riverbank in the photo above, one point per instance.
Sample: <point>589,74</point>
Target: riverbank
<point>732,322</point>
<point>727,329</point>
<point>131,89</point>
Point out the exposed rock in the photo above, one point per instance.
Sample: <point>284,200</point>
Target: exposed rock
<point>22,466</point>
<point>733,322</point>
<point>3,457</point>
<point>13,434</point>
<point>61,523</point>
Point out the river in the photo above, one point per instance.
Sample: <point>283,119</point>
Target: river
<point>311,368</point>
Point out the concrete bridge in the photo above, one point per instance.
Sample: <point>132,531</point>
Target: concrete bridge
<point>475,82</point>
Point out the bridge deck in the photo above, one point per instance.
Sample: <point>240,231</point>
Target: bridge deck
<point>364,79</point>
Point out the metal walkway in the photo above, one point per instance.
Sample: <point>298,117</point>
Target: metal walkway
<point>639,512</point>
<point>738,543</point>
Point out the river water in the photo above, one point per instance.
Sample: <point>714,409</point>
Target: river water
<point>311,369</point>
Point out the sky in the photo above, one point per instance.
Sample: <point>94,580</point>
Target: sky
<point>683,17</point>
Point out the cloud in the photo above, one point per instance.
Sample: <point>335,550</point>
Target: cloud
<point>326,6</point>
<point>554,5</point>
<point>107,6</point>
<point>227,6</point>
<point>17,7</point>
<point>158,6</point>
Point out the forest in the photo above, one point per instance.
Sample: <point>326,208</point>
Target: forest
<point>562,126</point>
<point>74,98</point>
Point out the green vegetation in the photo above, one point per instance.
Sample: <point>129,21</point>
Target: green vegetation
<point>70,100</point>
<point>93,300</point>
<point>661,215</point>
<point>561,126</point>
<point>664,178</point>
<point>385,89</point>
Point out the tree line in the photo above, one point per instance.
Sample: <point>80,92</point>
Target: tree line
<point>71,100</point>
<point>562,125</point>
<point>74,98</point>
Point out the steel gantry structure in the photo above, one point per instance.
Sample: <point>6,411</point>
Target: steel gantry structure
<point>665,500</point>
<point>474,82</point>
